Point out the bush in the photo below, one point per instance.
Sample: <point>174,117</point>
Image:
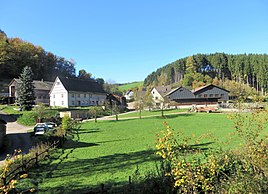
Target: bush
<point>243,170</point>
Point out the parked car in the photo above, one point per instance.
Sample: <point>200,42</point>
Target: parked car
<point>51,125</point>
<point>40,129</point>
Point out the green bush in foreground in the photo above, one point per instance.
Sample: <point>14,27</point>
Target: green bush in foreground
<point>243,170</point>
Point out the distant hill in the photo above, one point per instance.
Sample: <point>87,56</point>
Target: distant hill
<point>201,69</point>
<point>128,86</point>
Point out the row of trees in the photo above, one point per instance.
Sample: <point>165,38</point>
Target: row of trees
<point>201,69</point>
<point>15,54</point>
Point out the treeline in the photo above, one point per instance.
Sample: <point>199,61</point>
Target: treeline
<point>200,69</point>
<point>15,54</point>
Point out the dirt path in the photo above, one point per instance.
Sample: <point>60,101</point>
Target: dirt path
<point>17,136</point>
<point>112,117</point>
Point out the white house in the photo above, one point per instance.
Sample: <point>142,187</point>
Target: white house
<point>158,93</point>
<point>129,95</point>
<point>71,92</point>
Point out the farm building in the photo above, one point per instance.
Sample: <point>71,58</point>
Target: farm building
<point>209,94</point>
<point>41,90</point>
<point>72,92</point>
<point>120,101</point>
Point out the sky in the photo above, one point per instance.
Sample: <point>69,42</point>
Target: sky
<point>126,40</point>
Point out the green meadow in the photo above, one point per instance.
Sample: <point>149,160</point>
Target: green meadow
<point>129,86</point>
<point>110,151</point>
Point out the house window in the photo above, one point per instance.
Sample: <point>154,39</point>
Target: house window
<point>58,83</point>
<point>199,96</point>
<point>210,95</point>
<point>54,103</point>
<point>97,102</point>
<point>93,102</point>
<point>205,95</point>
<point>78,95</point>
<point>85,95</point>
<point>53,95</point>
<point>90,95</point>
<point>72,95</point>
<point>153,92</point>
<point>62,95</point>
<point>156,98</point>
<point>73,103</point>
<point>222,95</point>
<point>216,95</point>
<point>62,102</point>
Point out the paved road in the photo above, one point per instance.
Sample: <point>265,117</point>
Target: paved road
<point>17,135</point>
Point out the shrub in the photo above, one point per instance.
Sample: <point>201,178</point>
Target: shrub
<point>243,170</point>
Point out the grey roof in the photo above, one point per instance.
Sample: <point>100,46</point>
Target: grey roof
<point>203,87</point>
<point>42,85</point>
<point>163,90</point>
<point>38,84</point>
<point>79,85</point>
<point>171,91</point>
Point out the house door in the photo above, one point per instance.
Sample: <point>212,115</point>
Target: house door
<point>78,103</point>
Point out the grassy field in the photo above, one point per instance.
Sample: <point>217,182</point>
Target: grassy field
<point>109,151</point>
<point>151,113</point>
<point>128,86</point>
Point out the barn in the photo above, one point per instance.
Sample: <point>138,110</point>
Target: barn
<point>206,95</point>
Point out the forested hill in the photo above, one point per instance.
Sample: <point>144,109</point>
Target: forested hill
<point>15,54</point>
<point>200,69</point>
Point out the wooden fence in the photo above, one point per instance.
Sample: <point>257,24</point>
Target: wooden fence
<point>26,164</point>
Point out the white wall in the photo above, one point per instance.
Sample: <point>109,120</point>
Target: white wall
<point>86,99</point>
<point>58,95</point>
<point>157,98</point>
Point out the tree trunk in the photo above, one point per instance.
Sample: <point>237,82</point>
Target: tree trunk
<point>116,117</point>
<point>140,113</point>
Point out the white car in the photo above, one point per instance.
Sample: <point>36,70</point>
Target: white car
<point>40,129</point>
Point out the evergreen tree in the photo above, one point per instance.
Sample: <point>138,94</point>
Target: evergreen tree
<point>25,89</point>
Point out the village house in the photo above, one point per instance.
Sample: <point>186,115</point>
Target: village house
<point>158,93</point>
<point>72,92</point>
<point>120,101</point>
<point>41,90</point>
<point>129,95</point>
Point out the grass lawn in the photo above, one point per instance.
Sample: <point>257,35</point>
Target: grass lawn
<point>128,86</point>
<point>27,118</point>
<point>109,151</point>
<point>151,113</point>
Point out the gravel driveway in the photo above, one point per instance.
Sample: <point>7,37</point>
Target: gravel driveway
<point>17,135</point>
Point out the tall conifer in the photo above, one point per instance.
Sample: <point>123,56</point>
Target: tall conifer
<point>25,89</point>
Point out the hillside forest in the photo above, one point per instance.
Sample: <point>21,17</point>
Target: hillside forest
<point>15,54</point>
<point>219,68</point>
